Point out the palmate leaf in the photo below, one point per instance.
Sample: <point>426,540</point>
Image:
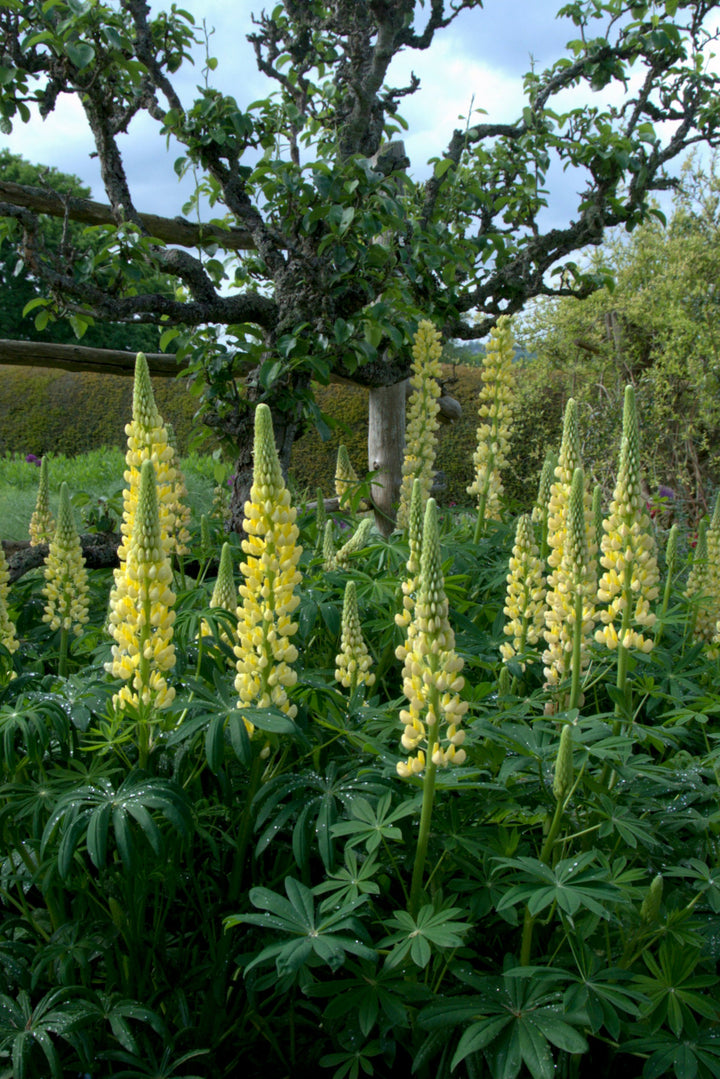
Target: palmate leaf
<point>89,810</point>
<point>572,884</point>
<point>416,937</point>
<point>328,936</point>
<point>695,1052</point>
<point>521,1036</point>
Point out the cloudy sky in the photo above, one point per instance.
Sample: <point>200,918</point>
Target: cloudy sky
<point>479,61</point>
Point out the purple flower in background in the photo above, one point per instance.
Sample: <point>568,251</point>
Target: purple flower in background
<point>665,492</point>
<point>32,459</point>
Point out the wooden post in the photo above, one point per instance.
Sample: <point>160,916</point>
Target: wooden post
<point>386,447</point>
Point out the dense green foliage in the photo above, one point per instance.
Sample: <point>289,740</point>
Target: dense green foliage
<point>222,905</point>
<point>18,288</point>
<point>659,327</point>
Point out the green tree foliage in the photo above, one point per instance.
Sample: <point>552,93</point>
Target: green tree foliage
<point>658,328</point>
<point>347,250</point>
<point>19,287</point>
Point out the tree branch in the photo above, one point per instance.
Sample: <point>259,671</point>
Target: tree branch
<point>170,230</point>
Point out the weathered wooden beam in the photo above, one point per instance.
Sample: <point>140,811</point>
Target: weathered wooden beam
<point>172,230</point>
<point>81,358</point>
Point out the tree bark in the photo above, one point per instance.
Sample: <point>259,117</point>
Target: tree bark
<point>386,447</point>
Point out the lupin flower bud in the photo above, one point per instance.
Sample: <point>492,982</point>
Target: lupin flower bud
<point>264,650</point>
<point>563,777</point>
<point>224,593</point>
<point>525,595</point>
<point>422,425</point>
<point>597,516</point>
<point>542,502</point>
<point>650,908</point>
<point>8,635</point>
<point>356,543</point>
<point>328,550</point>
<point>353,662</point>
<point>178,504</point>
<point>66,580</point>
<point>630,581</point>
<point>320,520</point>
<point>571,600</point>
<point>415,527</point>
<point>495,412</point>
<point>42,522</point>
<point>205,535</point>
<point>346,478</point>
<point>141,616</point>
<point>431,670</point>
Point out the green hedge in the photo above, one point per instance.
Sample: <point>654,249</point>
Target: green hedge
<point>49,411</point>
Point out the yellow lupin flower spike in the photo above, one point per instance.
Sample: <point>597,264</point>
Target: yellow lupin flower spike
<point>525,594</point>
<point>570,614</point>
<point>42,522</point>
<point>264,650</point>
<point>493,433</point>
<point>8,635</point>
<point>141,616</point>
<point>415,527</point>
<point>431,672</point>
<point>147,441</point>
<point>66,579</point>
<point>353,662</point>
<point>708,600</point>
<point>560,560</point>
<point>421,432</point>
<point>630,581</point>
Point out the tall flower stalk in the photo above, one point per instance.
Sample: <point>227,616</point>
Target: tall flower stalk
<point>422,425</point>
<point>431,683</point>
<point>570,613</point>
<point>670,560</point>
<point>630,582</point>
<point>42,522</point>
<point>141,619</point>
<point>415,530</point>
<point>542,502</point>
<point>572,577</point>
<point>66,580</point>
<point>525,595</point>
<point>264,650</point>
<point>493,433</point>
<point>147,441</point>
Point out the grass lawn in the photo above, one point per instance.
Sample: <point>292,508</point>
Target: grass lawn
<point>91,477</point>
